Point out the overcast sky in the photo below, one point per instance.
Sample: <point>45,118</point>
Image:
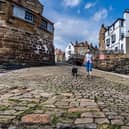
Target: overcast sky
<point>81,19</point>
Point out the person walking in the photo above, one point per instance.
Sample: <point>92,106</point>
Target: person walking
<point>88,62</point>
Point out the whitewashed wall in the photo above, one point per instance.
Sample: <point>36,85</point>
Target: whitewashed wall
<point>70,48</point>
<point>118,30</point>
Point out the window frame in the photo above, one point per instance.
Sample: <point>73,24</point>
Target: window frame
<point>121,36</point>
<point>122,47</point>
<point>70,47</point>
<point>69,52</point>
<point>42,25</point>
<point>29,16</point>
<point>113,26</point>
<point>113,38</point>
<point>122,23</point>
<point>108,42</point>
<point>50,27</point>
<point>116,49</point>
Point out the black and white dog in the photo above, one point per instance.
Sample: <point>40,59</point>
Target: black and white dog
<point>74,71</point>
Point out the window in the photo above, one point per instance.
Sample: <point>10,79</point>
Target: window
<point>122,23</point>
<point>113,38</point>
<point>69,47</point>
<point>69,52</point>
<point>0,6</point>
<point>23,14</point>
<point>116,49</point>
<point>122,48</point>
<point>43,25</point>
<point>113,26</point>
<point>28,16</point>
<point>50,27</point>
<point>18,12</point>
<point>108,42</point>
<point>122,36</point>
<point>81,51</point>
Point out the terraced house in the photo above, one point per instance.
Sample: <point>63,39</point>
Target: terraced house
<point>117,35</point>
<point>25,35</point>
<point>77,49</point>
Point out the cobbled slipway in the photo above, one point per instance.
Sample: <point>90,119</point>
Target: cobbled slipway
<point>62,101</point>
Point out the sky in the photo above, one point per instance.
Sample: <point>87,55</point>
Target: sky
<point>81,19</point>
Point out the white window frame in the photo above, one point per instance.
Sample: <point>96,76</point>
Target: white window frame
<point>21,13</point>
<point>29,16</point>
<point>50,27</point>
<point>113,38</point>
<point>116,49</point>
<point>121,36</point>
<point>122,23</point>
<point>108,42</point>
<point>43,25</point>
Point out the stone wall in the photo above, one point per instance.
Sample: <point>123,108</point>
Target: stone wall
<point>24,42</point>
<point>81,50</point>
<point>102,44</point>
<point>19,46</point>
<point>127,46</point>
<point>34,5</point>
<point>4,12</point>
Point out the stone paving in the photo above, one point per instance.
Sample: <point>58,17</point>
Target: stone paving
<point>50,98</point>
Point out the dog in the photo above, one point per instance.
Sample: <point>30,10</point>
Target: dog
<point>74,71</point>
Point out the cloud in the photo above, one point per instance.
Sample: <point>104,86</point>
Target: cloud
<point>72,3</point>
<point>71,29</point>
<point>101,14</point>
<point>89,5</point>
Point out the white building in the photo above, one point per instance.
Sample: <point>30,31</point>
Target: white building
<point>69,51</point>
<point>117,35</point>
<point>77,48</point>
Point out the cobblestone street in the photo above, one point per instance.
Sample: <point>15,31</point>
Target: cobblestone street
<point>50,98</point>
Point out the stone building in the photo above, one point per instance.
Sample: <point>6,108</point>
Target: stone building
<point>81,48</point>
<point>102,38</point>
<point>59,55</point>
<point>26,37</point>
